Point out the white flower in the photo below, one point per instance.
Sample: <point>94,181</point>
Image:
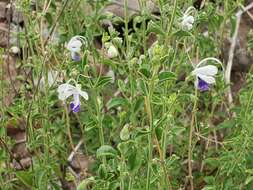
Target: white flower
<point>187,20</point>
<point>15,49</point>
<point>111,50</point>
<point>74,46</point>
<point>66,90</point>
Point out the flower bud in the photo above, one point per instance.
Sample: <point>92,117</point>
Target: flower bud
<point>14,50</point>
<point>112,51</point>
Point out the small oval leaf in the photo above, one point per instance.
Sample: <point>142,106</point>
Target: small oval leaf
<point>106,150</point>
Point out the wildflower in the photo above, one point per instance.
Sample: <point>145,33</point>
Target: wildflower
<point>187,19</point>
<point>74,46</point>
<point>14,50</point>
<point>65,90</point>
<point>205,75</point>
<point>111,50</point>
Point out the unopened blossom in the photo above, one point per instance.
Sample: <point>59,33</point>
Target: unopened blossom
<point>14,50</point>
<point>74,46</point>
<point>187,22</point>
<point>111,50</point>
<point>205,75</point>
<point>66,90</point>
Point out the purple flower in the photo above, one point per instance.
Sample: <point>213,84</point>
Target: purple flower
<point>74,46</point>
<point>202,85</point>
<point>66,90</point>
<point>75,56</point>
<point>204,76</point>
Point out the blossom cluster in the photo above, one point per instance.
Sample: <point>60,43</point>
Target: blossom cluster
<point>204,74</point>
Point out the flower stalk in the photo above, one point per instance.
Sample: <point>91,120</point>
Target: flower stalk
<point>190,148</point>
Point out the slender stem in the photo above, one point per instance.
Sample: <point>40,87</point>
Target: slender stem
<point>165,177</point>
<point>130,182</point>
<point>171,23</point>
<point>56,22</point>
<point>82,128</point>
<point>126,27</point>
<point>150,135</point>
<point>190,140</point>
<point>100,125</point>
<point>68,128</point>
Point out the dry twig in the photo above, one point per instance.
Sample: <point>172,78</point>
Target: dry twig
<point>232,50</point>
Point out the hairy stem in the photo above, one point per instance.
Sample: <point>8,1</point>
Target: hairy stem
<point>190,140</point>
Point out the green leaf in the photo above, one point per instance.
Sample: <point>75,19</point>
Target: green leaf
<point>84,183</point>
<point>124,133</point>
<point>134,160</point>
<point>49,18</point>
<point>26,178</point>
<point>166,75</point>
<point>226,124</point>
<point>209,188</point>
<point>103,81</point>
<point>248,180</point>
<point>106,150</point>
<point>143,86</point>
<point>102,171</point>
<point>145,72</point>
<point>182,33</point>
<point>115,102</point>
<point>155,28</point>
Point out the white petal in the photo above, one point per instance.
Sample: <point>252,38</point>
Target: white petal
<point>112,52</point>
<point>207,79</point>
<point>64,87</point>
<point>76,99</point>
<point>189,19</point>
<point>84,94</point>
<point>209,70</point>
<point>74,45</point>
<point>65,95</point>
<point>52,76</point>
<point>187,22</point>
<point>66,90</point>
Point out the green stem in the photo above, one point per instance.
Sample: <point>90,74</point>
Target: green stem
<point>130,182</point>
<point>100,125</point>
<point>171,23</point>
<point>150,135</point>
<point>126,27</point>
<point>190,140</point>
<point>68,128</point>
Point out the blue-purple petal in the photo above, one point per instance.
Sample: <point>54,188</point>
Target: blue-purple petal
<point>76,57</point>
<point>75,108</point>
<point>202,85</point>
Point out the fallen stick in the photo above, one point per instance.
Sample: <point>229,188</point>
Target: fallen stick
<point>75,150</point>
<point>232,50</point>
